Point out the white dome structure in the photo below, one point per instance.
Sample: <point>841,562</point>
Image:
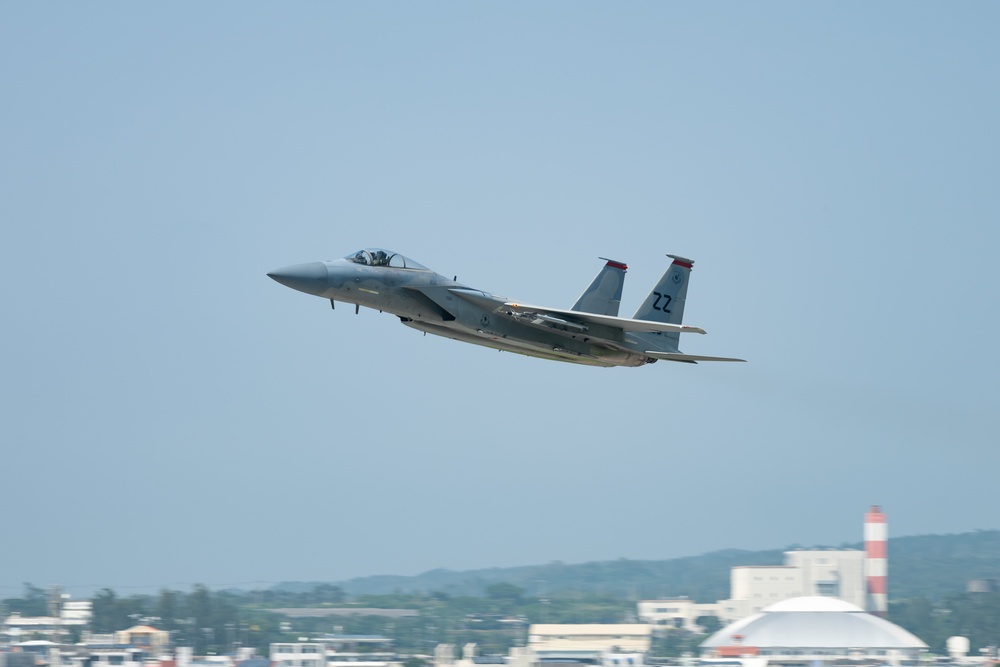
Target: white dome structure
<point>814,628</point>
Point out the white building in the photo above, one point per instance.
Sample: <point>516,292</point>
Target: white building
<point>681,613</point>
<point>814,630</point>
<point>609,645</point>
<point>185,657</point>
<point>72,616</point>
<point>444,656</point>
<point>76,611</point>
<point>547,639</point>
<point>145,637</point>
<point>298,654</point>
<point>837,573</point>
<point>336,651</point>
<point>563,645</point>
<point>118,656</point>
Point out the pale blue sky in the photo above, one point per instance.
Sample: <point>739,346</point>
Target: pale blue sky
<point>172,416</point>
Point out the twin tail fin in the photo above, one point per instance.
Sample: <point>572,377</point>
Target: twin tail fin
<point>604,296</point>
<point>665,302</point>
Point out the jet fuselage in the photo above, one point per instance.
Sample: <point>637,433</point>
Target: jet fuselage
<point>589,333</point>
<point>423,300</point>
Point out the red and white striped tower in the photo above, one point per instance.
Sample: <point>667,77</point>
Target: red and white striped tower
<point>876,561</point>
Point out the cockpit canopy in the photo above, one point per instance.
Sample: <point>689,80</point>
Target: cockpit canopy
<point>380,257</point>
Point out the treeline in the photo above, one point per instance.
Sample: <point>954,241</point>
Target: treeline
<point>220,621</point>
<point>926,565</point>
<point>934,566</point>
<point>972,615</point>
<point>487,620</point>
<point>34,602</point>
<point>482,607</point>
<point>704,578</point>
<point>210,621</point>
<point>496,619</point>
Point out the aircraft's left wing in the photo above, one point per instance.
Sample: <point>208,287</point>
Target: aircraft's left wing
<point>580,319</point>
<point>572,319</point>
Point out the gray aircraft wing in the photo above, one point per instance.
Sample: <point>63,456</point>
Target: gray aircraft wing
<point>581,320</point>
<point>695,358</point>
<point>441,295</point>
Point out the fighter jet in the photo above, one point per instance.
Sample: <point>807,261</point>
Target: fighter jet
<point>588,333</point>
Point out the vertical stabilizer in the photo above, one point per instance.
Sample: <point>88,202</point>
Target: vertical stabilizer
<point>604,295</point>
<point>665,303</point>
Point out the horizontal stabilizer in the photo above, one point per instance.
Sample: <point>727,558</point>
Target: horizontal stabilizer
<point>677,356</point>
<point>623,323</point>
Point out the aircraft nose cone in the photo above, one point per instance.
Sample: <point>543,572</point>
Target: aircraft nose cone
<point>309,278</point>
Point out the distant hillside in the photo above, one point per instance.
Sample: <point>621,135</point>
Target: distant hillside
<point>933,565</point>
<point>699,577</point>
<point>926,565</point>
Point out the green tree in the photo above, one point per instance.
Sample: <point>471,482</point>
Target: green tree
<point>710,623</point>
<point>201,613</point>
<point>328,593</point>
<point>673,642</point>
<point>167,609</point>
<point>109,612</point>
<point>505,592</point>
<point>34,602</point>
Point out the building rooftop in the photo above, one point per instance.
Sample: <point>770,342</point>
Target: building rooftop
<point>814,622</point>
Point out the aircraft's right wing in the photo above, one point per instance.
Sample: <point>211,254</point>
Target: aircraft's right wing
<point>677,356</point>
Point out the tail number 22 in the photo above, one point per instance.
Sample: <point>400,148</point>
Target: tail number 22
<point>666,302</point>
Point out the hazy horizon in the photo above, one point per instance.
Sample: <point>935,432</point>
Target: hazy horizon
<point>85,591</point>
